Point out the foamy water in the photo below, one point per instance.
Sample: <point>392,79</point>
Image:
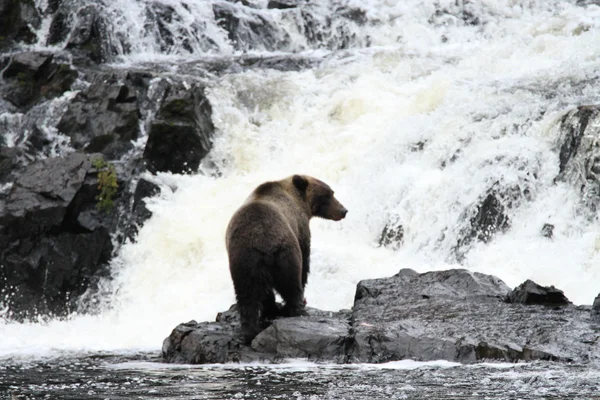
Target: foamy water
<point>483,104</point>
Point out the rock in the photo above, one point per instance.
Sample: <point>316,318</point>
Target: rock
<point>85,32</point>
<point>249,30</point>
<point>530,293</point>
<point>49,255</point>
<point>181,135</point>
<point>392,236</point>
<point>18,21</point>
<point>548,231</point>
<point>596,309</point>
<point>139,212</point>
<point>315,338</point>
<point>32,76</point>
<point>8,162</point>
<point>283,4</point>
<point>104,118</point>
<point>458,315</point>
<point>579,154</point>
<point>453,315</point>
<point>322,336</point>
<point>488,217</point>
<point>39,198</point>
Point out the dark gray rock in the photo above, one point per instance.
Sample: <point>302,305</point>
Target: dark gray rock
<point>249,30</point>
<point>139,212</point>
<point>454,315</point>
<point>284,4</point>
<point>83,29</point>
<point>458,315</point>
<point>39,198</point>
<point>488,217</point>
<point>579,154</point>
<point>596,308</point>
<point>392,236</point>
<point>182,133</point>
<point>548,231</point>
<point>49,253</point>
<point>531,293</point>
<point>322,336</point>
<point>9,162</point>
<point>18,21</point>
<point>315,338</point>
<point>33,76</point>
<point>104,118</point>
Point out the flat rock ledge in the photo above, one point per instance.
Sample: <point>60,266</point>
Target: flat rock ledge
<point>453,315</point>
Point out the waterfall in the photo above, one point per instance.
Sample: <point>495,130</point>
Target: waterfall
<point>417,115</point>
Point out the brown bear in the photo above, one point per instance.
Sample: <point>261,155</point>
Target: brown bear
<point>268,244</point>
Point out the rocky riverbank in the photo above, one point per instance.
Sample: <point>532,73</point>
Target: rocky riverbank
<point>453,315</point>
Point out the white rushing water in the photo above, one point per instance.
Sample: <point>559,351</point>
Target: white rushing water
<point>482,100</point>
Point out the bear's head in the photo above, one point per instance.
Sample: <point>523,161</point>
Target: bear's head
<point>319,197</point>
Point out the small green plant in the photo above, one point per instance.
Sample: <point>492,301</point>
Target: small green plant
<point>107,184</point>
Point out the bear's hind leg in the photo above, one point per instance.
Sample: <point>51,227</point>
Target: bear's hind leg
<point>249,311</point>
<point>288,283</point>
<point>270,310</point>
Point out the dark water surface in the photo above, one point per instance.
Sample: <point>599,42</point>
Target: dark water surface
<point>142,376</point>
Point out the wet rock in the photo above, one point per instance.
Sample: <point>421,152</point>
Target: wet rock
<point>249,30</point>
<point>83,31</point>
<point>579,153</point>
<point>32,76</point>
<point>9,162</point>
<point>322,336</point>
<point>392,236</point>
<point>453,315</point>
<point>461,12</point>
<point>104,118</point>
<point>283,4</point>
<point>18,21</point>
<point>39,198</point>
<point>458,315</point>
<point>139,212</point>
<point>48,256</point>
<point>488,217</point>
<point>315,338</point>
<point>181,134</point>
<point>530,293</point>
<point>548,231</point>
<point>596,309</point>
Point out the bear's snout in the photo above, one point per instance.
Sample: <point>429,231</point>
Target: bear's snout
<point>340,214</point>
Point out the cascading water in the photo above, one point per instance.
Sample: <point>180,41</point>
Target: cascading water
<point>415,113</point>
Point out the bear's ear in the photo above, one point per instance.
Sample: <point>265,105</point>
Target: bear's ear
<point>300,182</point>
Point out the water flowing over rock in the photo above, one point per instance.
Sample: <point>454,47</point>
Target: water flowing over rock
<point>579,152</point>
<point>454,315</point>
<point>31,77</point>
<point>104,118</point>
<point>18,21</point>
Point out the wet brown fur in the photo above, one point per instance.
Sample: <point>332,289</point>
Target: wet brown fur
<point>268,244</point>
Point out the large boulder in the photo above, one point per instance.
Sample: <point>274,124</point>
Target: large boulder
<point>181,134</point>
<point>454,315</point>
<point>18,21</point>
<point>322,336</point>
<point>34,76</point>
<point>104,118</point>
<point>54,242</point>
<point>459,315</point>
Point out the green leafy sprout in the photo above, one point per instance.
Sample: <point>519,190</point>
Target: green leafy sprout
<point>107,184</point>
